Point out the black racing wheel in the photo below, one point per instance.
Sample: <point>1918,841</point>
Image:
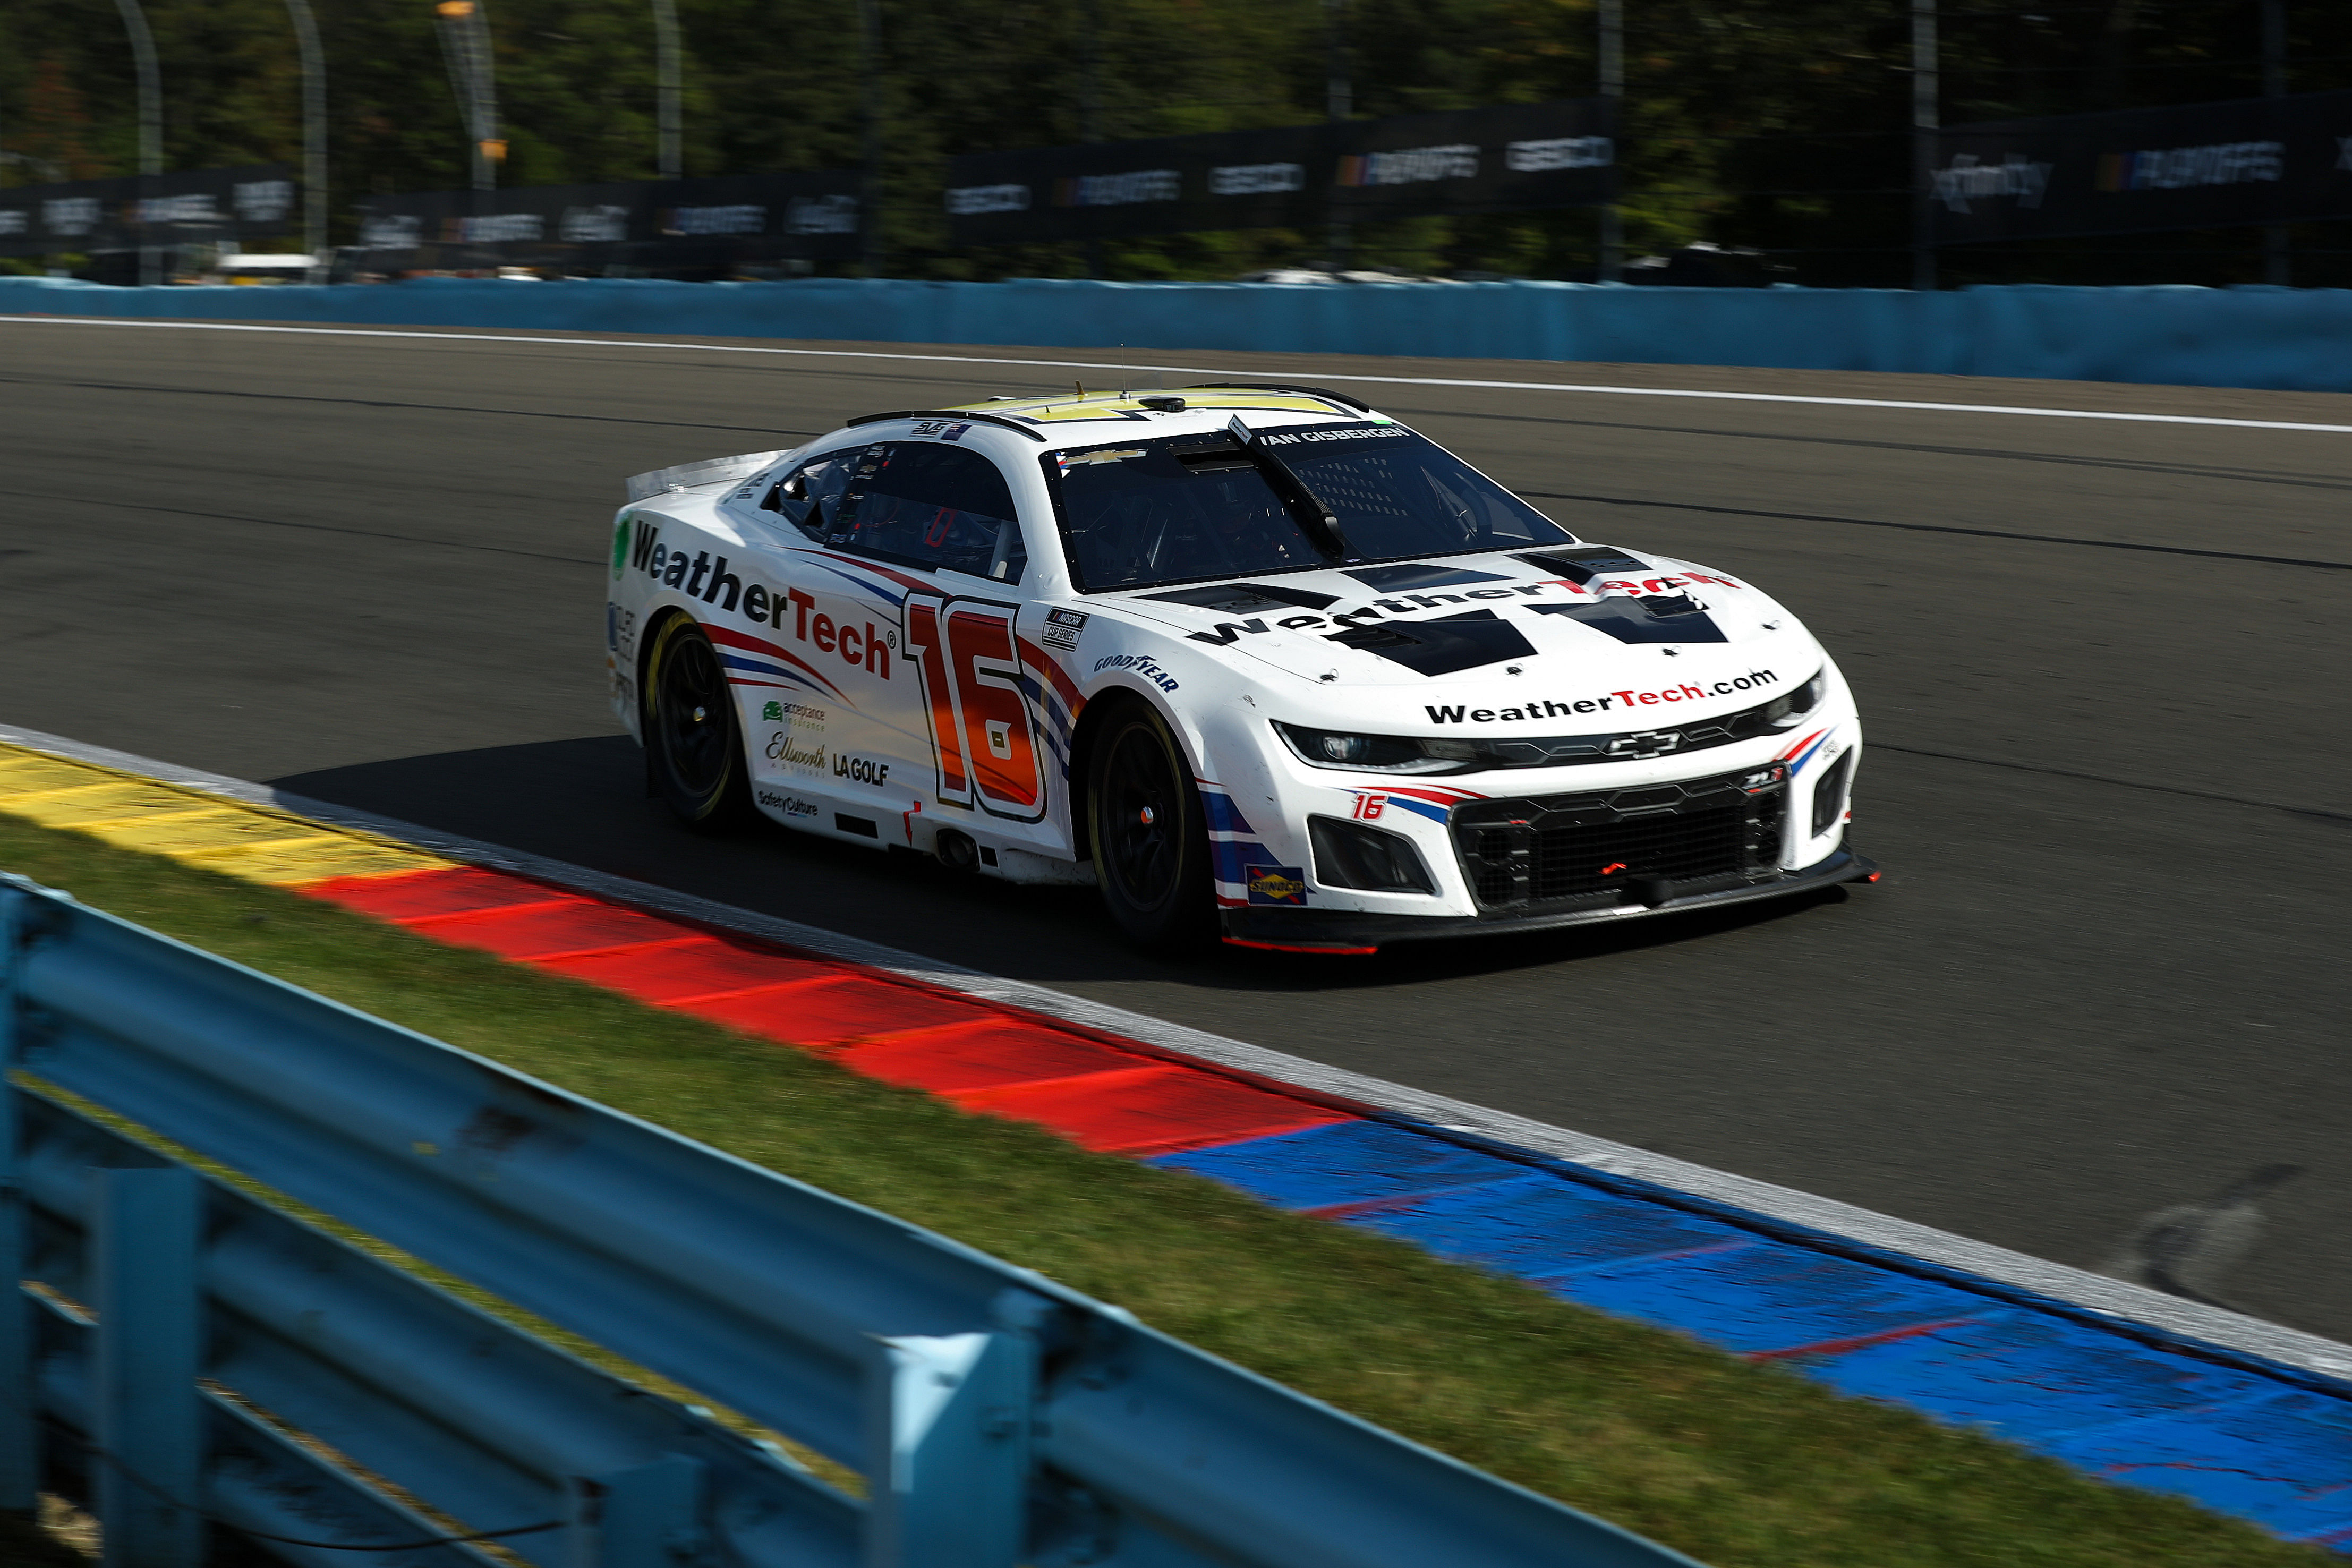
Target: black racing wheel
<point>692,750</point>
<point>1149,837</point>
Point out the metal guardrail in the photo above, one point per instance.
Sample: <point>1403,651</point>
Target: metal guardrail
<point>236,1354</point>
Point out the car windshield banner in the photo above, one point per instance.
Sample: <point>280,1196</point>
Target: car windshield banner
<point>258,202</point>
<point>741,217</point>
<point>2205,166</point>
<point>1511,158</point>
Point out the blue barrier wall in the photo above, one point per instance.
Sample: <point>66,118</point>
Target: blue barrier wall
<point>2255,337</point>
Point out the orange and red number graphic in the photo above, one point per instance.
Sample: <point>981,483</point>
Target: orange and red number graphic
<point>971,691</point>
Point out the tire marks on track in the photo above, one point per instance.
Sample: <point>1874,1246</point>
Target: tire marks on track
<point>1943,528</point>
<point>379,403</point>
<point>2215,472</point>
<point>2316,813</point>
<point>315,528</point>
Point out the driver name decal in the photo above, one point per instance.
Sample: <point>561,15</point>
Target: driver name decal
<point>1224,633</point>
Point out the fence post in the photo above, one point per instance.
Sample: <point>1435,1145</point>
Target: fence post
<point>650,1516</point>
<point>949,1422</point>
<point>149,1421</point>
<point>20,1432</point>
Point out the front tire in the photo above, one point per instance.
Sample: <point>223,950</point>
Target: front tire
<point>1147,832</point>
<point>692,748</point>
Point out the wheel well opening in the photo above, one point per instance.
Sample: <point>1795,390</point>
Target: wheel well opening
<point>647,638</point>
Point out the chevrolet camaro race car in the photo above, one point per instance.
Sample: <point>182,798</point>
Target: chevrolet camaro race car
<point>1251,660</point>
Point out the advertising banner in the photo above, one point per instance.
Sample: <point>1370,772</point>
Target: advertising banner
<point>257,204</point>
<point>1510,158</point>
<point>664,224</point>
<point>2239,163</point>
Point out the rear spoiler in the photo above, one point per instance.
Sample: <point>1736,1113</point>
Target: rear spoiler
<point>694,476</point>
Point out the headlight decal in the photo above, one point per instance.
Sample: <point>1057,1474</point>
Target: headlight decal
<point>1437,804</point>
<point>1811,747</point>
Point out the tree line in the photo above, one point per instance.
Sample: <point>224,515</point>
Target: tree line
<point>1779,124</point>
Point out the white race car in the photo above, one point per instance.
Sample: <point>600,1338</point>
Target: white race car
<point>1253,659</point>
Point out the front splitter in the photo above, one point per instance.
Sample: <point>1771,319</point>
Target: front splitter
<point>1361,931</point>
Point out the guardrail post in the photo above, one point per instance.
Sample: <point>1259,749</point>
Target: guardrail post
<point>150,1423</point>
<point>949,1421</point>
<point>647,1516</point>
<point>20,1432</point>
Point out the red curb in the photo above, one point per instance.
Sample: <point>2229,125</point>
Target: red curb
<point>1104,1094</point>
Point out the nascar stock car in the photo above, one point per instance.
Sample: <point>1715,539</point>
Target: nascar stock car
<point>1253,659</point>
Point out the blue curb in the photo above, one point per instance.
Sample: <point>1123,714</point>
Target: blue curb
<point>2262,1443</point>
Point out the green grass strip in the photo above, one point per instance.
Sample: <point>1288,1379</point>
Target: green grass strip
<point>1739,1465</point>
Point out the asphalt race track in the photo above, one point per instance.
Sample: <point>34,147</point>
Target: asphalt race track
<point>2103,665</point>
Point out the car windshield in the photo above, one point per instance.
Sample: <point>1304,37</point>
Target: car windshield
<point>1179,508</point>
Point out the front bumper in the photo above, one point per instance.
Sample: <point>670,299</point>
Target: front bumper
<point>1352,931</point>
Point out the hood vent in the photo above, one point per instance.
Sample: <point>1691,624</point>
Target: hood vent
<point>1661,617</point>
<point>1441,646</point>
<point>1581,565</point>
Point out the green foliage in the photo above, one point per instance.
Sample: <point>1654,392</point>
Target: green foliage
<point>1778,123</point>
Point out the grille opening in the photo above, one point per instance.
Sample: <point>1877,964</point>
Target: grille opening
<point>1636,841</point>
<point>1493,853</point>
<point>1675,846</point>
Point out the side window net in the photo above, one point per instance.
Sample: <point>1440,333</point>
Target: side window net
<point>1171,510</point>
<point>919,503</point>
<point>809,498</point>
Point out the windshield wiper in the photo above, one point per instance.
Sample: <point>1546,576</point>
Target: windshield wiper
<point>1321,524</point>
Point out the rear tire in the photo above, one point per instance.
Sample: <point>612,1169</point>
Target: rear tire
<point>693,750</point>
<point>1147,832</point>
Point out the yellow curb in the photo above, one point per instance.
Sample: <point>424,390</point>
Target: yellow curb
<point>253,843</point>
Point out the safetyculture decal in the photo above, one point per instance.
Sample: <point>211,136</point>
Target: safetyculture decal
<point>790,805</point>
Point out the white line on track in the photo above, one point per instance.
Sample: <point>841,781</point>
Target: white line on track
<point>1198,370</point>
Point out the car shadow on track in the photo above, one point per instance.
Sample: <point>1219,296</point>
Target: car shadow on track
<point>584,801</point>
